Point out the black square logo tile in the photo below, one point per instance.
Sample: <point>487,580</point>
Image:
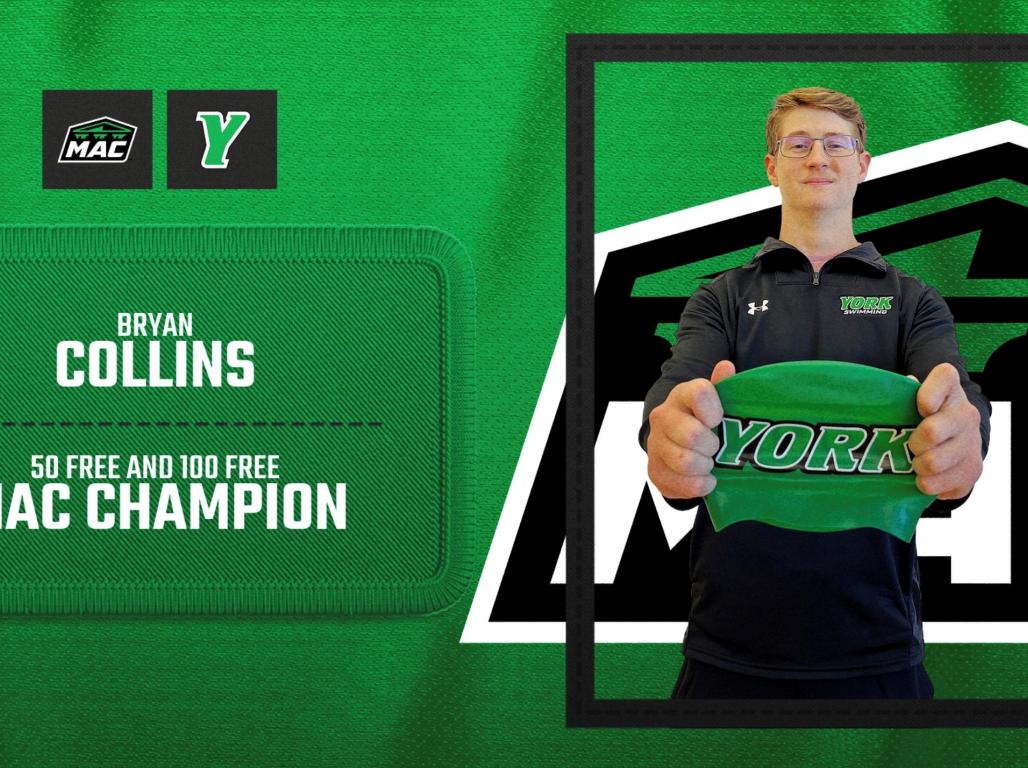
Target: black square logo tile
<point>97,139</point>
<point>222,140</point>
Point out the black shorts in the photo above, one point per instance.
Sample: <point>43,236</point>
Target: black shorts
<point>698,680</point>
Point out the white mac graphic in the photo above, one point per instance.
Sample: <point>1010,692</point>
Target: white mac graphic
<point>976,537</point>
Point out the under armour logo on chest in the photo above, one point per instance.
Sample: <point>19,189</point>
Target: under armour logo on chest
<point>754,308</point>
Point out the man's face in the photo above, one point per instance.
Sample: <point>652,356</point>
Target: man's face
<point>817,182</point>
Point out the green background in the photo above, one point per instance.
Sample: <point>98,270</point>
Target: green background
<point>451,116</point>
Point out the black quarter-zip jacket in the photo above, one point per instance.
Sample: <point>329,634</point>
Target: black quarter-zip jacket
<point>781,603</point>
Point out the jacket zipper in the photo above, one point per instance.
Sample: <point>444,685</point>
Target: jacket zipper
<point>817,272</point>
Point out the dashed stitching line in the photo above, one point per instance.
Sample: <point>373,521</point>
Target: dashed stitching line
<point>79,424</point>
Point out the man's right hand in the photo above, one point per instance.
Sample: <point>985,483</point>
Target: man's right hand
<point>681,445</point>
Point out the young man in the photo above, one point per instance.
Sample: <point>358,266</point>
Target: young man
<point>777,613</point>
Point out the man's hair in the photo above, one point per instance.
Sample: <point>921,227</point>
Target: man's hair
<point>819,98</point>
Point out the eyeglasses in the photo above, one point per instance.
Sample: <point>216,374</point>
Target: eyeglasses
<point>836,145</point>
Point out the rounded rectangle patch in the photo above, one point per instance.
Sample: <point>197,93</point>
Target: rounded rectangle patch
<point>212,420</point>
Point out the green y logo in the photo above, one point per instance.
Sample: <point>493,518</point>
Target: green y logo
<point>219,131</point>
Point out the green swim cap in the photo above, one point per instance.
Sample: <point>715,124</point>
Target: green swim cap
<point>820,446</point>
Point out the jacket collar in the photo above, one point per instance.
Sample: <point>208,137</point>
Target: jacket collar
<point>865,252</point>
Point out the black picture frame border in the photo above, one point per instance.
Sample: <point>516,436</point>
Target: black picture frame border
<point>583,709</point>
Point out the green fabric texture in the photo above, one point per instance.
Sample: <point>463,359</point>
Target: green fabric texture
<point>449,116</point>
<point>361,374</point>
<point>815,406</point>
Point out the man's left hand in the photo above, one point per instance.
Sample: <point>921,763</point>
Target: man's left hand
<point>947,444</point>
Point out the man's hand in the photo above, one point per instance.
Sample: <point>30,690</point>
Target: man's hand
<point>947,444</point>
<point>681,446</point>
